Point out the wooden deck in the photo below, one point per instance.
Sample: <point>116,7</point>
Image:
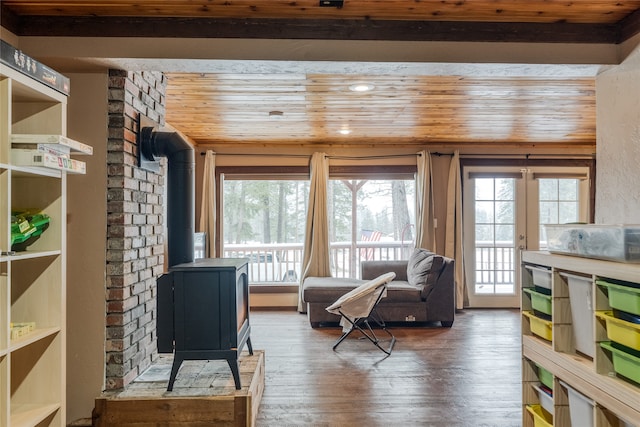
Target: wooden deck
<point>466,376</point>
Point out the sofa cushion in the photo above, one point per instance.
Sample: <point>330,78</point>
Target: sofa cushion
<point>326,290</point>
<point>423,269</point>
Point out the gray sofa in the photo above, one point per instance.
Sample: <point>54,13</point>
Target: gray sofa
<point>422,292</point>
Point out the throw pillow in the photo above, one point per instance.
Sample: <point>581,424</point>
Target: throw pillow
<point>419,266</point>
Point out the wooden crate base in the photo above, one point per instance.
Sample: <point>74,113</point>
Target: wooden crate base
<point>204,394</point>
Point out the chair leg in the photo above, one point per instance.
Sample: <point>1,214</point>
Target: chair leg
<point>374,339</point>
<point>370,335</point>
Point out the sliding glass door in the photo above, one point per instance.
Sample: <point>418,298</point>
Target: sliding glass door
<point>505,210</point>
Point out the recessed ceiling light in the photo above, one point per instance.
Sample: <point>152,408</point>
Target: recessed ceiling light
<point>275,114</point>
<point>345,131</point>
<point>361,87</point>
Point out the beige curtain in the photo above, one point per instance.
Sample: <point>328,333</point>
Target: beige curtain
<point>425,224</point>
<point>208,203</point>
<point>453,240</point>
<point>315,255</point>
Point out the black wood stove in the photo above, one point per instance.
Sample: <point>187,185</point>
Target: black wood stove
<point>203,312</point>
<point>203,306</point>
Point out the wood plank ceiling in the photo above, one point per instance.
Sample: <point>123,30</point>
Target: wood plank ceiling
<point>294,108</point>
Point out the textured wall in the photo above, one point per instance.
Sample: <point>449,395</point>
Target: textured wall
<point>618,143</point>
<point>135,252</point>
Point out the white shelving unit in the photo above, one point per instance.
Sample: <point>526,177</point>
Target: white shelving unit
<point>32,281</point>
<point>616,400</point>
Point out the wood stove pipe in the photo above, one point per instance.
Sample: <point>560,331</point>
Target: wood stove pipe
<point>180,189</point>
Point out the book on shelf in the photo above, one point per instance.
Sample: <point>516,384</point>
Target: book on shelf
<point>20,329</point>
<point>55,149</point>
<point>32,141</point>
<point>24,157</point>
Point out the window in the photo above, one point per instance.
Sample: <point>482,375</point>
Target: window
<point>264,220</point>
<point>369,219</point>
<point>559,203</point>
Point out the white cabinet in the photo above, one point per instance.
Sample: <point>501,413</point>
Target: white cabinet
<point>569,348</point>
<point>32,278</point>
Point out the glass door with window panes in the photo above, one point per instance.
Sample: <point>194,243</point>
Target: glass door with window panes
<point>505,210</point>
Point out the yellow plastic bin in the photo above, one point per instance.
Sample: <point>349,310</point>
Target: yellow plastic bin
<point>621,331</point>
<point>540,417</point>
<point>540,327</point>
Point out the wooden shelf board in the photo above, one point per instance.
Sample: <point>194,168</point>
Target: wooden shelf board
<point>35,171</point>
<point>34,254</point>
<point>33,337</point>
<point>613,393</point>
<point>32,414</point>
<point>618,270</point>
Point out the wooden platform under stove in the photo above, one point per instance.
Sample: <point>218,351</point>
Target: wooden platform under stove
<point>204,394</point>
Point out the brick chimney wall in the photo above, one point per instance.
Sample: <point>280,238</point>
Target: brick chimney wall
<point>135,239</point>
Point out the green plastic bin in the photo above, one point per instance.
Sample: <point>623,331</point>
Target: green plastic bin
<point>621,297</point>
<point>545,377</point>
<point>539,301</point>
<point>624,363</point>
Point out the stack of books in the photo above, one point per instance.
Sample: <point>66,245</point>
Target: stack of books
<point>49,151</point>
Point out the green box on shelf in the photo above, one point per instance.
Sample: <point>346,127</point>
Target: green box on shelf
<point>545,377</point>
<point>539,301</point>
<point>624,363</point>
<point>26,228</point>
<point>622,297</point>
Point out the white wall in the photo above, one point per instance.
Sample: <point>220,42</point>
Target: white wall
<point>618,140</point>
<point>86,246</point>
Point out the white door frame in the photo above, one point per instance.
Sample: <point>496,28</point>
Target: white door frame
<point>526,230</point>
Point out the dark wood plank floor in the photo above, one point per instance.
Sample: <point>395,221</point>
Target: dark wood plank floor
<point>468,375</point>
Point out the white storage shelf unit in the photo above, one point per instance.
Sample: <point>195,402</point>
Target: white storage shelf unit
<point>32,281</point>
<point>616,399</point>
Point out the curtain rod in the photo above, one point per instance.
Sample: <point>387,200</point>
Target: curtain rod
<point>435,153</point>
<point>388,156</point>
<point>204,153</point>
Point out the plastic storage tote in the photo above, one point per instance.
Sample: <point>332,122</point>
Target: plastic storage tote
<point>539,301</point>
<point>546,400</point>
<point>540,418</point>
<point>622,297</point>
<point>541,278</point>
<point>625,364</point>
<point>620,331</point>
<point>580,408</point>
<point>539,327</point>
<point>545,377</point>
<point>610,242</point>
<point>580,297</point>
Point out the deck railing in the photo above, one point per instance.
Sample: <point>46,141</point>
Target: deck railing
<point>495,263</point>
<point>282,262</point>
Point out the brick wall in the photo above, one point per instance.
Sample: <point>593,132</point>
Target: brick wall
<point>135,242</point>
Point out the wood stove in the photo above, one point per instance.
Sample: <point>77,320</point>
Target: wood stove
<point>203,306</point>
<point>203,312</point>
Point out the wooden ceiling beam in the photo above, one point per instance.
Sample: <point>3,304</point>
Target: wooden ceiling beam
<point>629,26</point>
<point>329,29</point>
